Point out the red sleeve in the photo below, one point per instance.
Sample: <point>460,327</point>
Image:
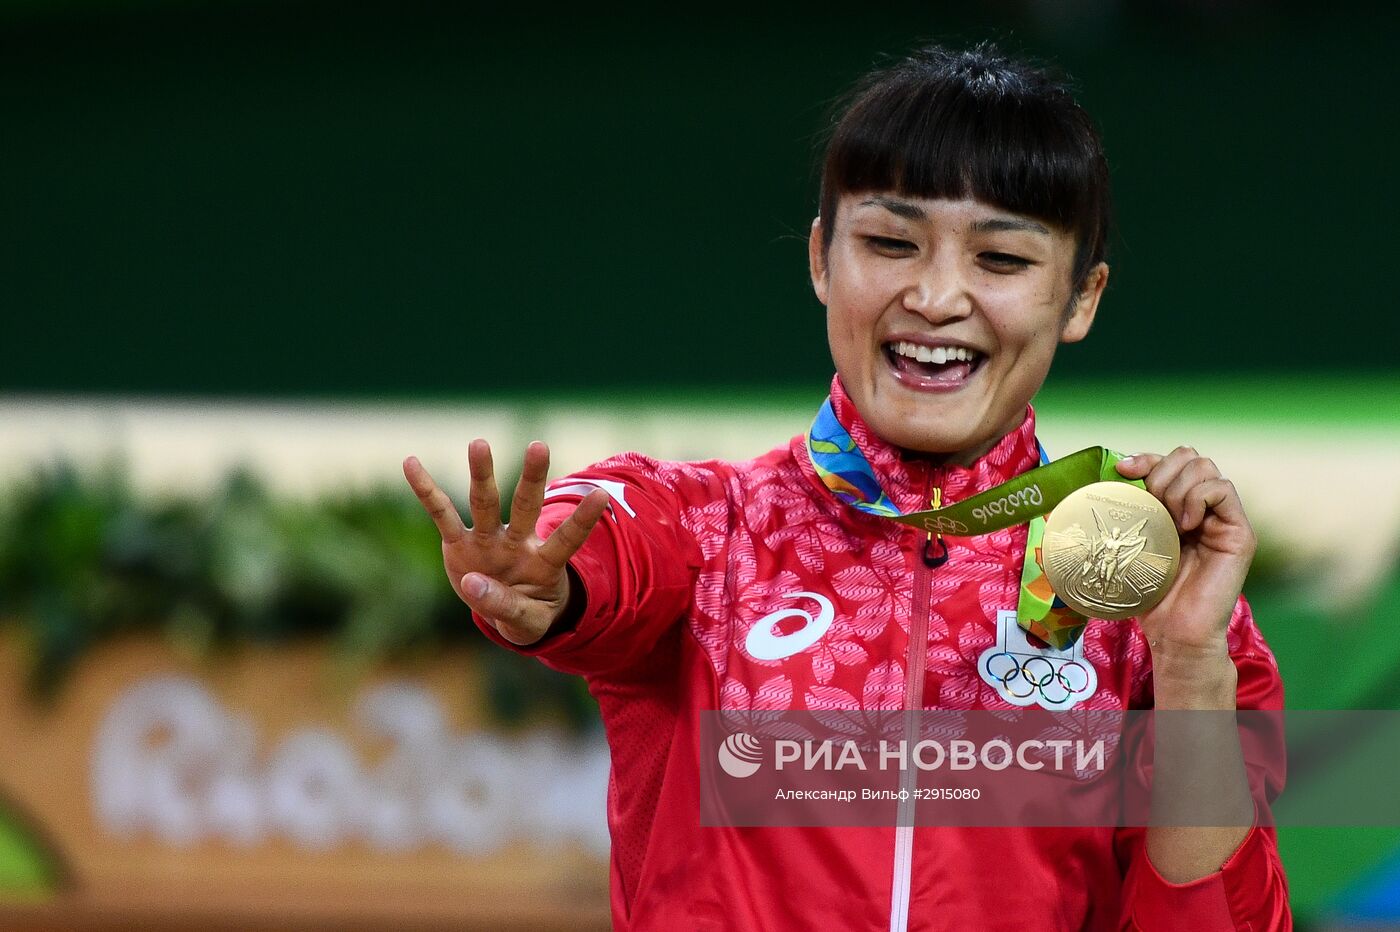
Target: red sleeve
<point>638,568</point>
<point>1250,892</point>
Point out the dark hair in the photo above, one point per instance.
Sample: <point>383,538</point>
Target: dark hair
<point>975,123</point>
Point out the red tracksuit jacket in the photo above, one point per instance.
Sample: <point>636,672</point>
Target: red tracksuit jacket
<point>691,556</point>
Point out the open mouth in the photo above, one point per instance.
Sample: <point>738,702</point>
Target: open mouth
<point>938,367</point>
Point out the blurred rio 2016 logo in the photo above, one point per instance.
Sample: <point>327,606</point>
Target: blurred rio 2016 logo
<point>172,762</point>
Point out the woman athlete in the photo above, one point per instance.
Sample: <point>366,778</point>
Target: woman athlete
<point>960,240</point>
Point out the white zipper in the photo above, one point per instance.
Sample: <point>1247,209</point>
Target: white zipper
<point>904,833</point>
<point>913,704</point>
<point>903,874</point>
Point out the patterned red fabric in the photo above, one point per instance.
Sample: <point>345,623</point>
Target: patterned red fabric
<point>695,554</point>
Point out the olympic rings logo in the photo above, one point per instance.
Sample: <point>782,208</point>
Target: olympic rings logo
<point>1024,674</point>
<point>1025,678</point>
<point>942,524</point>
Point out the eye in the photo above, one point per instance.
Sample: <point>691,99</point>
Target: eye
<point>1004,261</point>
<point>890,246</point>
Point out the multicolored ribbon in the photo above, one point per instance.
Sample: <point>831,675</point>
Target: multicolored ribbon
<point>1025,499</point>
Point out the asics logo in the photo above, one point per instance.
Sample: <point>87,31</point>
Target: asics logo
<point>765,643</point>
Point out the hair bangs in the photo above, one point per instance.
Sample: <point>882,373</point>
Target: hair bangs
<point>973,124</point>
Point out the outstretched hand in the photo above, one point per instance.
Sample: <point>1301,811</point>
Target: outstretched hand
<point>1217,545</point>
<point>505,572</point>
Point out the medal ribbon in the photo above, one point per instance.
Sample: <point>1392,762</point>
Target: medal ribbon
<point>1025,499</point>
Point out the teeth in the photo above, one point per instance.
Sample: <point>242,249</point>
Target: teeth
<point>935,354</point>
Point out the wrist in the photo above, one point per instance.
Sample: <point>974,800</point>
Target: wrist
<point>1188,654</point>
<point>575,604</point>
<point>1193,676</point>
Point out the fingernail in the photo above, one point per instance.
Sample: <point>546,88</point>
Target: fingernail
<point>1130,459</point>
<point>475,586</point>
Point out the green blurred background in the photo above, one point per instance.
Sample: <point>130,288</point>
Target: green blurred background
<point>263,199</point>
<point>431,203</point>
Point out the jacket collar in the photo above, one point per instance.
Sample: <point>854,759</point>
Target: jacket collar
<point>904,475</point>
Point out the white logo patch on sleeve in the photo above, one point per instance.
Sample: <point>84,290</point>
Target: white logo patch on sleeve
<point>616,490</point>
<point>1026,675</point>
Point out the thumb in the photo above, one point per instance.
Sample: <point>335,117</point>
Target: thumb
<point>515,616</point>
<point>1138,465</point>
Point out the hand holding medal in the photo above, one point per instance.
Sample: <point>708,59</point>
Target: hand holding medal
<point>1217,544</point>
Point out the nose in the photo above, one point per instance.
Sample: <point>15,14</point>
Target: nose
<point>939,291</point>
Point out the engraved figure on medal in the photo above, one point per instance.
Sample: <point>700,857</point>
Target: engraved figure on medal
<point>1110,573</point>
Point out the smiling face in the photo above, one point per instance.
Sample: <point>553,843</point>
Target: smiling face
<point>943,315</point>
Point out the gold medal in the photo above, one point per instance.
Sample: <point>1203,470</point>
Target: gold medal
<point>1111,550</point>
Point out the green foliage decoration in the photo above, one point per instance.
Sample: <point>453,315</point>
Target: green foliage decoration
<point>85,558</point>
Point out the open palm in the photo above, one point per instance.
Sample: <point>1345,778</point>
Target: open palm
<point>505,572</point>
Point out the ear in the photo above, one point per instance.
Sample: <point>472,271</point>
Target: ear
<point>1086,305</point>
<point>816,260</point>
